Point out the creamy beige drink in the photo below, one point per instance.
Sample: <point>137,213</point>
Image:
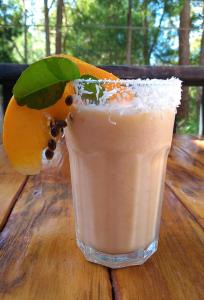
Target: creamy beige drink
<point>118,163</point>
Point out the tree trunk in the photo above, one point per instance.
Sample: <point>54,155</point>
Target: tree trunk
<point>66,30</point>
<point>184,32</point>
<point>145,38</point>
<point>129,33</point>
<point>200,103</point>
<point>58,42</point>
<point>47,28</point>
<point>184,52</point>
<point>201,60</point>
<point>157,32</point>
<point>25,33</point>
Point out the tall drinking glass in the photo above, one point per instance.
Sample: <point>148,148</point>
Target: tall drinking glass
<point>118,139</point>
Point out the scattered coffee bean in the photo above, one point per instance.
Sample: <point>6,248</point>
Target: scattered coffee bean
<point>54,131</point>
<point>49,154</point>
<point>61,123</point>
<point>52,144</point>
<point>69,100</point>
<point>52,123</point>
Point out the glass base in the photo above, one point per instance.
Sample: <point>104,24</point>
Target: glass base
<point>137,257</point>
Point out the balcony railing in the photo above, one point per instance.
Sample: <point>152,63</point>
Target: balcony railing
<point>190,75</point>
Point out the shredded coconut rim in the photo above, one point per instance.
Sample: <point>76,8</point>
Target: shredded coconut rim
<point>132,82</point>
<point>146,94</point>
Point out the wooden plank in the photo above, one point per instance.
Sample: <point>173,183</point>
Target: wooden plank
<point>39,256</point>
<point>190,75</point>
<point>185,175</point>
<point>192,145</point>
<point>11,184</point>
<point>176,270</point>
<point>11,72</point>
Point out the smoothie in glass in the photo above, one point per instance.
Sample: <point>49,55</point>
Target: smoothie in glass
<point>118,148</point>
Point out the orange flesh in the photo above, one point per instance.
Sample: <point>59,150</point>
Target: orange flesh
<point>26,131</point>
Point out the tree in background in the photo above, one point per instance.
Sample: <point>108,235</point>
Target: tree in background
<point>94,34</point>
<point>66,27</point>
<point>58,41</point>
<point>201,62</point>
<point>11,13</point>
<point>189,122</point>
<point>47,8</point>
<point>202,47</point>
<point>135,32</point>
<point>151,32</point>
<point>47,28</point>
<point>184,52</point>
<point>159,20</point>
<point>105,32</point>
<point>120,31</point>
<point>184,34</point>
<point>201,59</point>
<point>129,33</point>
<point>25,32</point>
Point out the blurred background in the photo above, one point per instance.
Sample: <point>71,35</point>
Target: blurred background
<point>109,32</point>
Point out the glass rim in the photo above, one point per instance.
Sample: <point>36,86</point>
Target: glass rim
<point>133,82</point>
<point>146,94</point>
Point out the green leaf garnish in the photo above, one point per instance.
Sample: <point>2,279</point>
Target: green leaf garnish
<point>42,83</point>
<point>92,94</point>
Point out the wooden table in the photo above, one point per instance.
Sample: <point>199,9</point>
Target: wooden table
<point>39,258</point>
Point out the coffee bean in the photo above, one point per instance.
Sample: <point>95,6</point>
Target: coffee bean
<point>61,123</point>
<point>49,154</point>
<point>52,144</point>
<point>52,123</point>
<point>54,131</point>
<point>69,100</point>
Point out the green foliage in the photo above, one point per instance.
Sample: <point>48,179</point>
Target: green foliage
<point>42,83</point>
<point>10,28</point>
<point>190,124</point>
<point>90,39</point>
<point>95,31</point>
<point>91,91</point>
<point>98,32</point>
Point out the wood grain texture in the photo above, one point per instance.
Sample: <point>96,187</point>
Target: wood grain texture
<point>39,258</point>
<point>176,270</point>
<point>11,184</point>
<point>190,75</point>
<point>193,145</point>
<point>185,174</point>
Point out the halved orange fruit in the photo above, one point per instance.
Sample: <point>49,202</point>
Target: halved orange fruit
<point>26,130</point>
